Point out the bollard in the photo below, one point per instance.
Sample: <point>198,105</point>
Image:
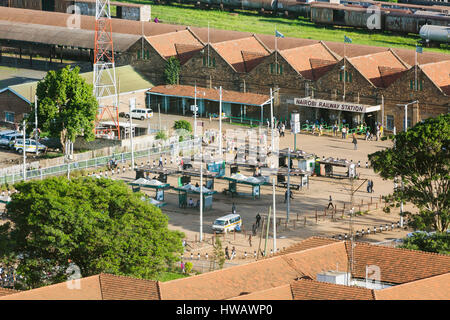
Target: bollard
<point>316,215</point>
<point>304,222</point>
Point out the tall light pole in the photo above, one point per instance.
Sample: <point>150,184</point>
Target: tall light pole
<point>24,152</point>
<point>36,123</point>
<point>288,186</point>
<point>274,218</point>
<point>271,118</point>
<point>195,111</point>
<point>220,123</point>
<point>131,139</point>
<point>406,112</point>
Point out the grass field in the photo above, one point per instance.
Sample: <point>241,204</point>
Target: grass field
<point>300,28</point>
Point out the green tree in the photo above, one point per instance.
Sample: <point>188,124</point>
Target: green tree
<point>66,106</point>
<point>420,159</point>
<point>172,70</point>
<point>182,125</point>
<point>99,224</point>
<point>437,242</point>
<point>219,255</point>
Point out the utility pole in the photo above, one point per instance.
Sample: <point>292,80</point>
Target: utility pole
<point>36,124</point>
<point>195,111</point>
<point>274,218</point>
<point>201,192</point>
<point>24,152</point>
<point>220,123</point>
<point>288,186</point>
<point>131,139</point>
<point>271,119</point>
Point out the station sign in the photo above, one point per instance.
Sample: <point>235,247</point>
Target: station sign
<point>335,105</point>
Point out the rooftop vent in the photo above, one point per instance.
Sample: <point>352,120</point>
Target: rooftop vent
<point>335,277</point>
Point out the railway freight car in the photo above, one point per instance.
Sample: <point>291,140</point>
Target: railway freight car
<point>411,23</point>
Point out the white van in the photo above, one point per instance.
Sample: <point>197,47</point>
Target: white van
<point>141,114</point>
<point>227,223</point>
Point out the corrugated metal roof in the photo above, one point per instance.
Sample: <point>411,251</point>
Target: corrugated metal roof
<point>52,35</point>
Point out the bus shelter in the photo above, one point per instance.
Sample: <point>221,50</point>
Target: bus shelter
<point>255,184</point>
<point>298,178</point>
<point>188,173</point>
<point>329,167</point>
<point>305,161</point>
<point>191,190</point>
<point>156,185</point>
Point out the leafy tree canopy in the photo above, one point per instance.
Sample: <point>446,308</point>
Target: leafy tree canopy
<point>182,125</point>
<point>437,243</point>
<point>420,160</point>
<point>66,105</point>
<point>99,224</point>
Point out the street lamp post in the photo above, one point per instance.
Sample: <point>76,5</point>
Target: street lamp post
<point>406,112</point>
<point>131,140</point>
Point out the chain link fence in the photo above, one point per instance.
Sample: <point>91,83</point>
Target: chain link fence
<point>173,149</point>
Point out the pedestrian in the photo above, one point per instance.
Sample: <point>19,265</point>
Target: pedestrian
<point>283,128</point>
<point>156,20</point>
<point>368,186</point>
<point>254,229</point>
<point>160,161</point>
<point>227,254</point>
<point>233,209</point>
<point>320,130</point>
<point>355,142</point>
<point>344,132</point>
<point>250,240</point>
<point>233,253</point>
<point>334,129</point>
<point>330,203</point>
<point>371,186</point>
<point>182,266</point>
<point>258,219</point>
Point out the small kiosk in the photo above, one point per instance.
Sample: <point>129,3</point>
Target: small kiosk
<point>162,172</point>
<point>189,189</point>
<point>254,182</point>
<point>329,166</point>
<point>306,161</point>
<point>282,178</point>
<point>157,185</point>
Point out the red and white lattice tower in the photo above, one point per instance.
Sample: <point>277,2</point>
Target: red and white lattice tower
<point>104,72</point>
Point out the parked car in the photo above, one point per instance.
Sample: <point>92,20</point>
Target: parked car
<point>31,146</point>
<point>141,114</point>
<point>5,132</point>
<point>6,139</point>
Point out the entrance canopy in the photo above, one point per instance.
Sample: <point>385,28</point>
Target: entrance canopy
<point>336,105</point>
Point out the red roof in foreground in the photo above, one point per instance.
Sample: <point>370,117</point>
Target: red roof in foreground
<point>211,94</point>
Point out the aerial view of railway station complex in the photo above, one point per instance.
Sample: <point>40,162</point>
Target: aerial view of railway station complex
<point>224,150</point>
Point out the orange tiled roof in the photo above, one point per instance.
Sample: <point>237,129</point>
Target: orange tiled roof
<point>314,290</point>
<point>310,60</point>
<point>166,43</point>
<point>439,73</point>
<point>98,287</point>
<point>308,243</point>
<point>434,288</point>
<point>211,94</point>
<point>398,265</point>
<point>371,67</point>
<point>126,288</point>
<point>256,276</point>
<point>283,292</point>
<point>231,51</point>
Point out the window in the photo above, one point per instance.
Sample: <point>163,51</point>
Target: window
<point>348,76</point>
<point>139,54</point>
<point>389,122</point>
<point>9,116</point>
<point>147,54</point>
<point>212,62</point>
<point>276,68</point>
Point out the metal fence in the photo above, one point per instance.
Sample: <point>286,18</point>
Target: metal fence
<point>100,161</point>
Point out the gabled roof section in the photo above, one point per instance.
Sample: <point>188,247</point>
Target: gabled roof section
<point>232,52</point>
<point>439,74</point>
<point>381,69</point>
<point>167,44</point>
<point>314,290</point>
<point>309,243</point>
<point>310,61</point>
<point>252,59</point>
<point>433,288</point>
<point>126,288</point>
<point>186,51</point>
<point>398,265</point>
<point>283,292</point>
<point>16,93</point>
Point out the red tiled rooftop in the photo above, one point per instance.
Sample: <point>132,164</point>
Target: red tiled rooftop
<point>309,60</point>
<point>314,290</point>
<point>379,68</point>
<point>232,50</point>
<point>211,94</point>
<point>439,73</point>
<point>168,43</point>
